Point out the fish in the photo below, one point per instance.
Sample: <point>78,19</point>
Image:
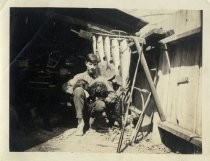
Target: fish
<point>107,51</point>
<point>116,55</point>
<point>125,55</point>
<point>94,47</point>
<point>94,44</point>
<point>100,48</point>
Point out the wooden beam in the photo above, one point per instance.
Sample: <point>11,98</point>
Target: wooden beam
<point>182,133</point>
<point>167,57</point>
<point>79,22</point>
<point>156,34</point>
<point>140,121</point>
<point>153,31</point>
<point>150,81</point>
<point>135,110</point>
<point>178,37</point>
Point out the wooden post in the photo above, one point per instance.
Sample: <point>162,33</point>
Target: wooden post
<point>167,57</point>
<point>150,81</point>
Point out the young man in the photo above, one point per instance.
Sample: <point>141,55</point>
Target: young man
<point>78,87</point>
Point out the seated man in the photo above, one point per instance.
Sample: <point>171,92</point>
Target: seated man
<point>78,86</point>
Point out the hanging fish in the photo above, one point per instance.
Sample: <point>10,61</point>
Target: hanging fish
<point>116,55</point>
<point>100,48</point>
<point>94,44</point>
<point>107,51</point>
<point>125,54</point>
<point>94,47</point>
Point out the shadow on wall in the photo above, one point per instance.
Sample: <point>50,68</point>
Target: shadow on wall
<point>185,53</point>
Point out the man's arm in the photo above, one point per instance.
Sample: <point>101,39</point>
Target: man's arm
<point>70,84</point>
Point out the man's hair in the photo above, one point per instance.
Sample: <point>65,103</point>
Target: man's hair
<point>91,58</point>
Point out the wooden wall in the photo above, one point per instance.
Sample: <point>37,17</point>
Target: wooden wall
<point>182,102</point>
<point>181,21</point>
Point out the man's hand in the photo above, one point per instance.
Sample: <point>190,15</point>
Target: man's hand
<point>81,83</point>
<point>67,88</point>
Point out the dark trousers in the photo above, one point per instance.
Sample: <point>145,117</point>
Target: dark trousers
<point>80,104</point>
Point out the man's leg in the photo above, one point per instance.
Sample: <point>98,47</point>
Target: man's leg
<point>97,114</point>
<point>79,102</point>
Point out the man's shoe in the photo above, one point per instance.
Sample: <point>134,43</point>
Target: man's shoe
<point>79,132</point>
<point>80,127</point>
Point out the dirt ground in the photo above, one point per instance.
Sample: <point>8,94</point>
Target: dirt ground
<point>62,138</point>
<point>97,142</point>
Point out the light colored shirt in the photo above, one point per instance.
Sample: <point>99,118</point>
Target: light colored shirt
<point>85,76</point>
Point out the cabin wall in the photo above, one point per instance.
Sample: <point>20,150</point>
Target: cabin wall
<point>180,21</point>
<point>181,102</point>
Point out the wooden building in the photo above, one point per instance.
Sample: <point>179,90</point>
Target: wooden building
<point>173,52</point>
<point>178,73</point>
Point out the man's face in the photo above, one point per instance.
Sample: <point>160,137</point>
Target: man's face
<point>91,67</point>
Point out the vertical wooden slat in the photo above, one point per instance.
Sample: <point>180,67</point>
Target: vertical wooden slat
<point>171,84</point>
<point>162,88</point>
<point>198,127</point>
<point>182,107</point>
<point>180,89</point>
<point>173,95</point>
<point>196,77</point>
<point>184,103</point>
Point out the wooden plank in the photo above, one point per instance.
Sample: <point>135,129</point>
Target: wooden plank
<point>188,92</point>
<point>182,133</point>
<point>185,20</point>
<point>153,36</point>
<point>158,31</point>
<point>135,110</point>
<point>176,38</point>
<point>198,127</point>
<point>186,100</point>
<point>177,106</point>
<point>191,19</point>
<point>173,95</point>
<point>165,79</point>
<point>164,89</point>
<point>195,77</point>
